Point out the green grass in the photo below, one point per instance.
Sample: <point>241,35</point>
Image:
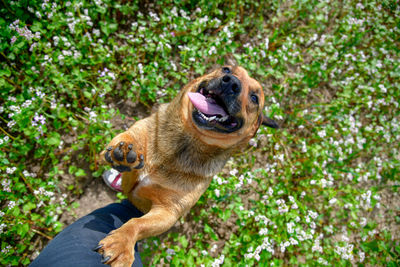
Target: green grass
<point>321,190</point>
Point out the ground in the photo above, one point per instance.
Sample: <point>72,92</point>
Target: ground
<point>97,194</point>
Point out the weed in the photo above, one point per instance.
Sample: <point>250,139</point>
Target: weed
<point>322,190</point>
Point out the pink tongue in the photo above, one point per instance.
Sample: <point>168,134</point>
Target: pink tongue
<point>206,106</point>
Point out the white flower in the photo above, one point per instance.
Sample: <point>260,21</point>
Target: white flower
<point>11,204</point>
<point>361,255</point>
<point>217,192</point>
<point>263,231</point>
<point>2,226</point>
<point>212,50</point>
<point>316,246</point>
<point>233,172</point>
<point>293,241</point>
<point>332,201</point>
<point>382,87</point>
<point>363,221</point>
<point>303,147</point>
<point>322,133</point>
<point>11,170</point>
<point>11,123</point>
<point>313,214</point>
<point>219,261</point>
<point>170,251</point>
<point>253,142</point>
<point>290,228</point>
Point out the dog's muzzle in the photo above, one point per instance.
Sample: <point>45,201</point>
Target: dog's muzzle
<point>230,85</point>
<point>217,104</point>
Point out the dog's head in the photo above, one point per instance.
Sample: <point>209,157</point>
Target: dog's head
<point>225,106</point>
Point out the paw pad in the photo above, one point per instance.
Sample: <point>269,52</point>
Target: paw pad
<point>121,155</point>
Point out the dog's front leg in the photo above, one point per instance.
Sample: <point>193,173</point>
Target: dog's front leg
<point>118,247</point>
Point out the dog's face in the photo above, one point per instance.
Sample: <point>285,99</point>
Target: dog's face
<point>225,104</point>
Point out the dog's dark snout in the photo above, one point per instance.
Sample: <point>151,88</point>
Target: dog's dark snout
<point>230,84</point>
<point>226,79</point>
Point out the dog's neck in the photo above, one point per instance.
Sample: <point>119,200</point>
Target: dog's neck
<point>200,159</point>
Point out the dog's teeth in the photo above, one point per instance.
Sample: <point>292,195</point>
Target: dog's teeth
<point>213,118</point>
<point>224,118</point>
<point>204,116</point>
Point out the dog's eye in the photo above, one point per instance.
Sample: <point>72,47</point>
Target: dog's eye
<point>254,98</point>
<point>226,70</point>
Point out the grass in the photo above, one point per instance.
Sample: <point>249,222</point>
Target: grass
<point>321,190</point>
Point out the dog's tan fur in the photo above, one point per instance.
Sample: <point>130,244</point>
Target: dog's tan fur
<point>180,160</point>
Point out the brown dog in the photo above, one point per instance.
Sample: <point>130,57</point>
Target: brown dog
<point>169,158</point>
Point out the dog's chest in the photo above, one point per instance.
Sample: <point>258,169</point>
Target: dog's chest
<point>200,166</point>
<point>192,157</point>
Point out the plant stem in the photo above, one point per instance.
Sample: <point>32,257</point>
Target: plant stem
<point>41,233</point>
<point>28,185</point>
<point>4,131</point>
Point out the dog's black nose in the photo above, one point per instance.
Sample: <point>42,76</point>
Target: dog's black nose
<point>231,85</point>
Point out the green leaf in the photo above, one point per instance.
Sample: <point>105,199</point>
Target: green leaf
<point>210,231</point>
<point>207,228</point>
<point>183,241</point>
<point>87,94</point>
<point>246,238</point>
<point>5,72</point>
<point>108,28</point>
<point>373,245</point>
<point>25,261</point>
<point>36,26</point>
<point>54,139</point>
<point>23,229</point>
<point>80,173</point>
<point>62,113</point>
<point>28,206</point>
<point>226,214</point>
<point>4,161</point>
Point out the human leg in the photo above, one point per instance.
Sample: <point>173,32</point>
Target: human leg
<point>74,245</point>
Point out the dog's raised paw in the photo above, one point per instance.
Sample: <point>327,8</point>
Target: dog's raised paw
<point>122,155</point>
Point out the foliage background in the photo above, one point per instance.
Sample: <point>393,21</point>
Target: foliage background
<point>321,190</point>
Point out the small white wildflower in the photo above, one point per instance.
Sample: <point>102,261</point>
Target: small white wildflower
<point>212,50</point>
<point>361,255</point>
<point>322,133</point>
<point>217,192</point>
<point>263,231</point>
<point>11,204</point>
<point>253,142</point>
<point>332,201</point>
<point>11,170</point>
<point>2,226</point>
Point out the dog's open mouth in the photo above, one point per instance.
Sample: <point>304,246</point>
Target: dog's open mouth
<point>211,113</point>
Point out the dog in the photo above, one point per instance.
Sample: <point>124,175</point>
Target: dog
<point>169,158</point>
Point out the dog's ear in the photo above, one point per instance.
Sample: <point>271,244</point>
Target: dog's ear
<point>268,122</point>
